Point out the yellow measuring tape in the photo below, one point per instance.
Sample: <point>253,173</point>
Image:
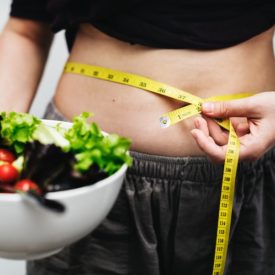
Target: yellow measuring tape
<point>170,118</point>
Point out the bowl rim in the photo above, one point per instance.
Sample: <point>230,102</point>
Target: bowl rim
<point>9,197</point>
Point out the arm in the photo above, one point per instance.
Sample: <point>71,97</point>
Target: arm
<point>24,47</point>
<point>256,136</point>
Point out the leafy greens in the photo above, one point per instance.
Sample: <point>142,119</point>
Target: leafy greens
<point>91,148</point>
<point>17,129</point>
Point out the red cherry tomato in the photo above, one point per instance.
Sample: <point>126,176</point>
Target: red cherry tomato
<point>6,155</point>
<point>26,185</point>
<point>8,173</point>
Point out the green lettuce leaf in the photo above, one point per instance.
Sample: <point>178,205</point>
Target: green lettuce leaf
<point>90,146</point>
<point>17,129</point>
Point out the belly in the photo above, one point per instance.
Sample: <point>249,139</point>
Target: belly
<point>134,113</point>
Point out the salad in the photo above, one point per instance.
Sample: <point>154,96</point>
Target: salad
<point>36,158</point>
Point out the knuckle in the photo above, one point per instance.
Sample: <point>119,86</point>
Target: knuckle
<point>223,109</point>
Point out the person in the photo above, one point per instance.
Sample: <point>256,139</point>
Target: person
<point>164,221</point>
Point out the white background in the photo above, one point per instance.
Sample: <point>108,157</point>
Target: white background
<point>54,67</point>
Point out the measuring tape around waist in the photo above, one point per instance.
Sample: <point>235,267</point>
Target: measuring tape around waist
<point>172,117</point>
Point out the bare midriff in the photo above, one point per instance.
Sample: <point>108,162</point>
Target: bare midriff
<point>134,113</point>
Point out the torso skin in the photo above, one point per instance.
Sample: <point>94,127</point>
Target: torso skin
<point>134,113</point>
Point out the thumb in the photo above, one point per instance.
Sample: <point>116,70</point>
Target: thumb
<point>233,108</point>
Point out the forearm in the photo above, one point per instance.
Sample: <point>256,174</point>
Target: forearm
<point>22,59</point>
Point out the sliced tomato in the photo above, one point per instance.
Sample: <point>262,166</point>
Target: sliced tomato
<point>6,155</point>
<point>26,185</point>
<point>8,173</point>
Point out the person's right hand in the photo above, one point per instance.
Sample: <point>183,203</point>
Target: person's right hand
<point>256,135</point>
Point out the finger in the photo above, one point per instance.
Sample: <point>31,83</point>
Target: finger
<point>201,124</point>
<point>216,132</point>
<point>241,126</point>
<point>244,107</point>
<point>211,128</point>
<point>242,129</point>
<point>206,144</point>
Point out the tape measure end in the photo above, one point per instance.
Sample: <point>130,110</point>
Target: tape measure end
<point>164,122</point>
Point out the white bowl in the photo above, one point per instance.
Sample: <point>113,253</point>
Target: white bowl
<point>28,231</point>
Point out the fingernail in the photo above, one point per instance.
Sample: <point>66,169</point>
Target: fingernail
<point>208,107</point>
